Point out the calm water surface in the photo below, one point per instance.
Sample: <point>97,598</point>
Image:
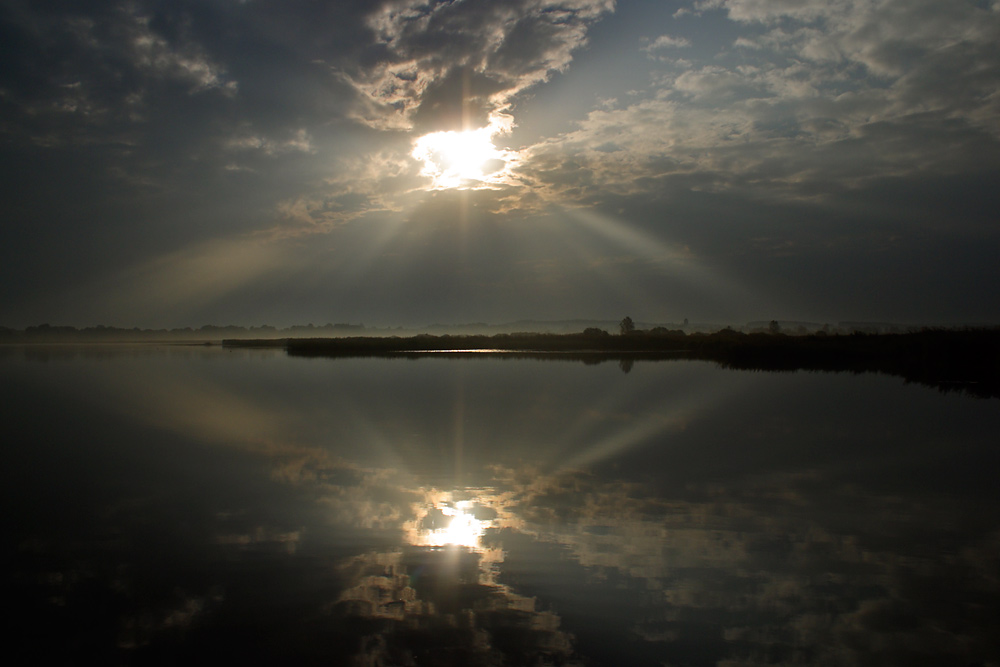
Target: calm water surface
<point>198,505</point>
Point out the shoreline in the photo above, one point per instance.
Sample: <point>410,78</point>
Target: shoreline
<point>950,360</point>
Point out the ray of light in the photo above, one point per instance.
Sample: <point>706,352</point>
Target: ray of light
<point>676,260</point>
<point>182,282</point>
<point>672,415</point>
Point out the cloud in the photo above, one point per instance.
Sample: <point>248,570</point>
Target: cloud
<point>482,53</point>
<point>102,65</point>
<point>362,184</point>
<point>298,141</point>
<point>183,60</point>
<point>826,96</point>
<point>903,43</point>
<point>665,42</point>
<point>767,581</point>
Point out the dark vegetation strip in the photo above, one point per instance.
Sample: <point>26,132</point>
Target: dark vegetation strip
<point>951,360</point>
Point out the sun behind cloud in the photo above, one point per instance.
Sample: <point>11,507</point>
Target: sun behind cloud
<point>464,159</point>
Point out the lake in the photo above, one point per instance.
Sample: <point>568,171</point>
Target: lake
<point>189,505</point>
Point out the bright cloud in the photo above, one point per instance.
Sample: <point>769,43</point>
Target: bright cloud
<point>504,47</point>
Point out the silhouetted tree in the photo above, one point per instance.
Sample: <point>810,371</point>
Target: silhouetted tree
<point>594,331</point>
<point>627,325</point>
<point>774,327</point>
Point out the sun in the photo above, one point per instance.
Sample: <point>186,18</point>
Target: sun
<point>463,529</point>
<point>466,159</point>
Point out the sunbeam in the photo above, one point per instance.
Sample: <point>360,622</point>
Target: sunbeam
<point>678,261</point>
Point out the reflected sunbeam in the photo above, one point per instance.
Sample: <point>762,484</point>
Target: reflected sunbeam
<point>674,414</point>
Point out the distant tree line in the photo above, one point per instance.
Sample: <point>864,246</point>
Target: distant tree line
<point>627,326</point>
<point>45,333</point>
<point>965,360</point>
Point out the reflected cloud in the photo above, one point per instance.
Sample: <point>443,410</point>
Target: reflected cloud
<point>677,562</point>
<point>325,513</point>
<point>441,585</point>
<point>768,577</point>
<point>427,604</point>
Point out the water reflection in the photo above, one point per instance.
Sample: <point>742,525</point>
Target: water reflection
<point>429,606</point>
<point>206,507</point>
<point>444,520</point>
<point>437,597</point>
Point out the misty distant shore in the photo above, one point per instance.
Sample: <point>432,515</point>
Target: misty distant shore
<point>951,360</point>
<point>55,333</point>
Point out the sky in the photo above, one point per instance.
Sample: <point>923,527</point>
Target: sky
<point>177,163</point>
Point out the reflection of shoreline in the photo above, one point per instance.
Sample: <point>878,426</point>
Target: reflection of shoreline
<point>950,360</point>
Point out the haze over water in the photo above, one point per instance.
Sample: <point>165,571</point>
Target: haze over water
<point>186,504</point>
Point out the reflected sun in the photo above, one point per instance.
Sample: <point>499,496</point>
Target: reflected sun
<point>463,529</point>
<point>446,522</point>
<point>465,159</point>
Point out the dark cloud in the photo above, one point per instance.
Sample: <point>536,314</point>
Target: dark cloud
<point>461,99</point>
